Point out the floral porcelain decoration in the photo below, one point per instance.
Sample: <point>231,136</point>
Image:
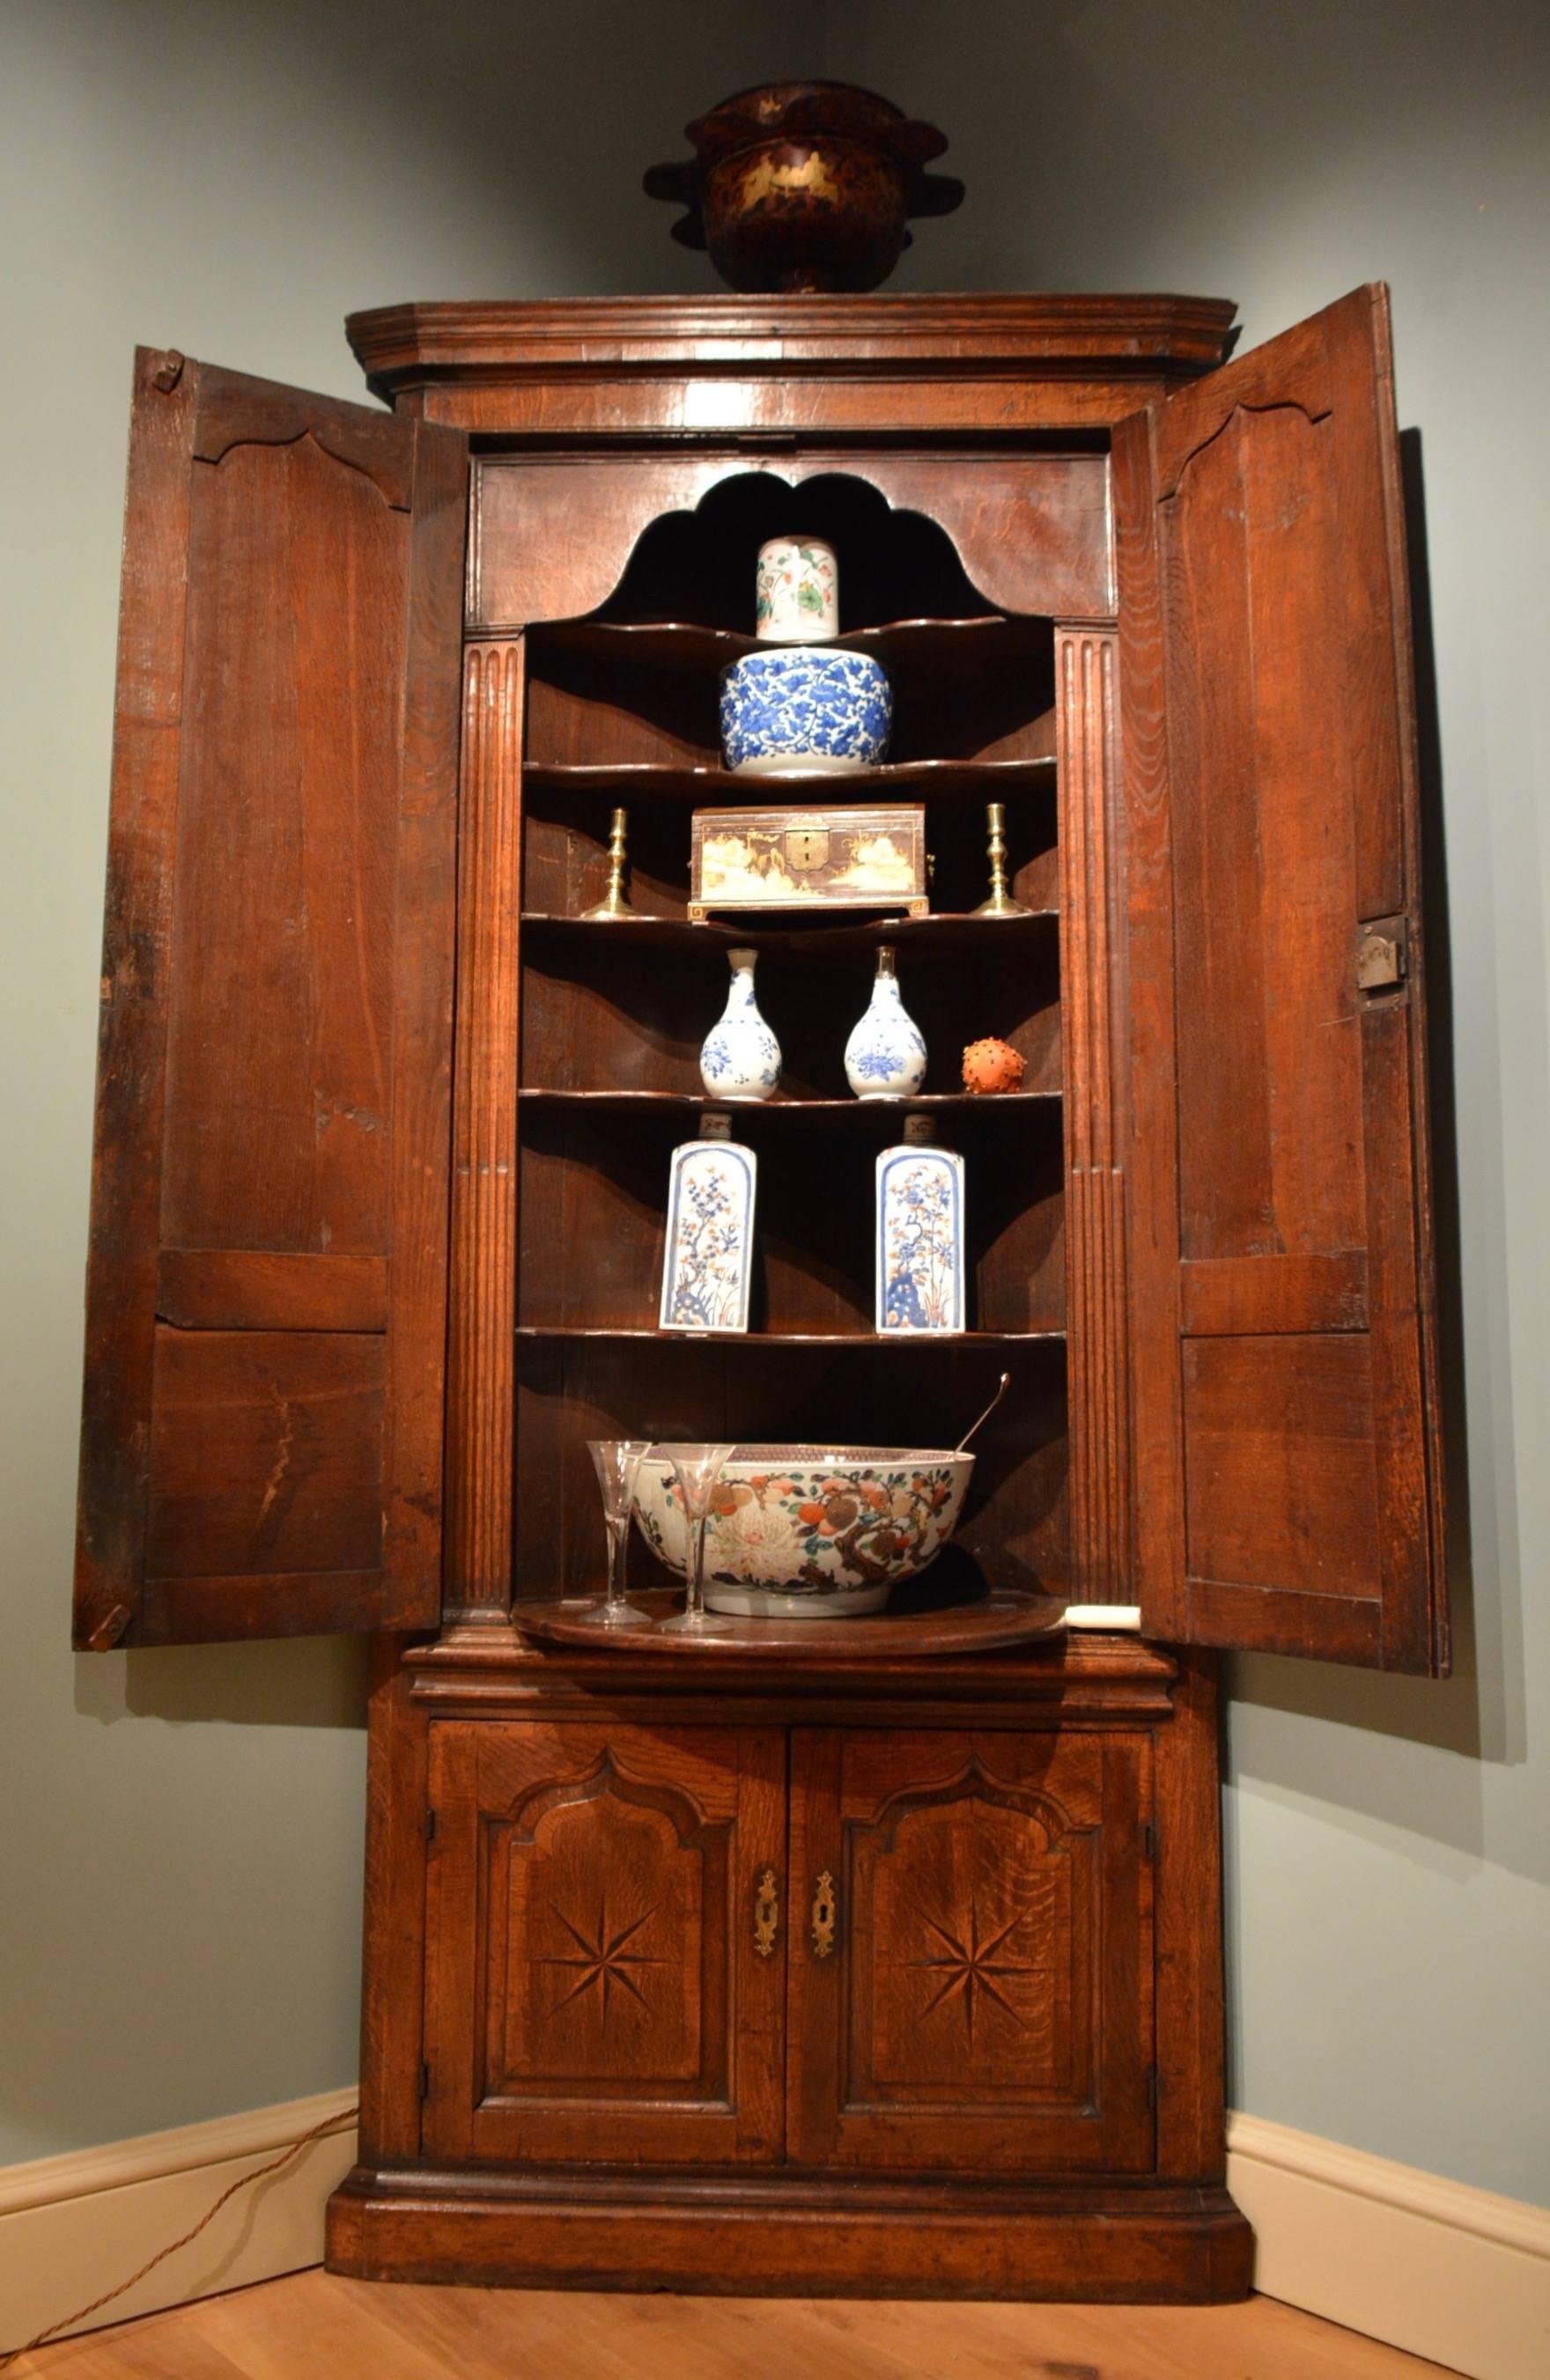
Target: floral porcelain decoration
<point>740,1057</point>
<point>796,592</point>
<point>707,1261</point>
<point>808,1532</point>
<point>802,708</point>
<point>885,1056</point>
<point>920,1240</point>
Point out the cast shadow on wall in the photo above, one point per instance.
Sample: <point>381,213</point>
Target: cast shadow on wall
<point>1477,1713</point>
<point>285,1682</point>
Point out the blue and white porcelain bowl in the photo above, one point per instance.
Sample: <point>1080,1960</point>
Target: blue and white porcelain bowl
<point>805,707</point>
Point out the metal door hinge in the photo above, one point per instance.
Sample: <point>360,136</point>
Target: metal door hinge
<point>1148,1840</point>
<point>1381,954</point>
<point>1151,2088</point>
<point>430,1825</point>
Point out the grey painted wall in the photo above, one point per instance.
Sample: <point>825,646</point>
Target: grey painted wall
<point>183,1829</point>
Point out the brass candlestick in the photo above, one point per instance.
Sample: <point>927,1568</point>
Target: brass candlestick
<point>1001,904</point>
<point>613,903</point>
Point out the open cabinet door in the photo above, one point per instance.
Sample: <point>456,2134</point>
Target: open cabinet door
<point>262,1445</point>
<point>1288,1475</point>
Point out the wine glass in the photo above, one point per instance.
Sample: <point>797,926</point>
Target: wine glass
<point>696,1468</point>
<point>616,1460</point>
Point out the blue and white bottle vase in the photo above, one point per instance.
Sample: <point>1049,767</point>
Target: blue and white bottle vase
<point>741,1057</point>
<point>885,1056</point>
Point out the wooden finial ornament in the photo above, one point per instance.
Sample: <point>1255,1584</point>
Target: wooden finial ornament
<point>613,903</point>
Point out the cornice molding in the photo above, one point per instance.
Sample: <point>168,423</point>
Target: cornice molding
<point>1031,334</point>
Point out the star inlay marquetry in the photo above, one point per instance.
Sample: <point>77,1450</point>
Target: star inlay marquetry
<point>971,1966</point>
<point>601,1961</point>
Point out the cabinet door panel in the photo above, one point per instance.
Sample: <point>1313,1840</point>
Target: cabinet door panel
<point>266,1301</point>
<point>1288,1471</point>
<point>987,2000</point>
<point>595,1987</point>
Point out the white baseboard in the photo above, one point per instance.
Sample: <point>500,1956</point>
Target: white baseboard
<point>1444,2271</point>
<point>72,2226</point>
<point>1431,2265</point>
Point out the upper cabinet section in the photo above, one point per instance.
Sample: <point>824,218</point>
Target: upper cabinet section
<point>1000,366</point>
<point>1288,1468</point>
<point>266,1298</point>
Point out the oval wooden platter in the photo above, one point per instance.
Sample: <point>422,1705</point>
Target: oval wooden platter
<point>1005,1616</point>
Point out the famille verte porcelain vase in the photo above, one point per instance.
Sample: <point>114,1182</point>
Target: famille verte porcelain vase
<point>805,707</point>
<point>740,1059</point>
<point>796,592</point>
<point>885,1056</point>
<point>920,1235</point>
<point>707,1266</point>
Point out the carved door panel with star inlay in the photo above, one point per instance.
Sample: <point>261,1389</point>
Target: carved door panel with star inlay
<point>601,1979</point>
<point>972,1987</point>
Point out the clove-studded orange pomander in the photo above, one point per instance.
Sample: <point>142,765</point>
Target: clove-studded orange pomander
<point>991,1065</point>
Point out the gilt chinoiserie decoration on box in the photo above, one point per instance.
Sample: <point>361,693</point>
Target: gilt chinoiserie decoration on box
<point>796,858</point>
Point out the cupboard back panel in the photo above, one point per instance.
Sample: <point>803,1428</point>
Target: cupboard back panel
<point>600,1014</point>
<point>593,1190</point>
<point>584,709</point>
<point>566,830</point>
<point>1013,1530</point>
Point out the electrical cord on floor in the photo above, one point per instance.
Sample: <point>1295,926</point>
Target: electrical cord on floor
<point>337,2122</point>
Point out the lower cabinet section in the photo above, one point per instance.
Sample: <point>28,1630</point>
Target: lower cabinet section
<point>713,1985</point>
<point>921,1951</point>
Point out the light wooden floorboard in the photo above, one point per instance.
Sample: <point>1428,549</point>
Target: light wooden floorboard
<point>312,2326</point>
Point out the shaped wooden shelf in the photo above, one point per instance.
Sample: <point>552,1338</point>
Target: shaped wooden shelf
<point>945,933</point>
<point>990,779</point>
<point>1005,1616</point>
<point>966,647</point>
<point>763,1340</point>
<point>823,1113</point>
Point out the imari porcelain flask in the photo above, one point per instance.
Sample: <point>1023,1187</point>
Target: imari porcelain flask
<point>740,1057</point>
<point>919,1234</point>
<point>885,1056</point>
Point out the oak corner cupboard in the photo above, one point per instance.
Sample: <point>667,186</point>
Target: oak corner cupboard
<point>874,1969</point>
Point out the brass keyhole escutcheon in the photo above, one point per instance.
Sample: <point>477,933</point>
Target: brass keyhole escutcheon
<point>807,847</point>
<point>826,1912</point>
<point>766,1914</point>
